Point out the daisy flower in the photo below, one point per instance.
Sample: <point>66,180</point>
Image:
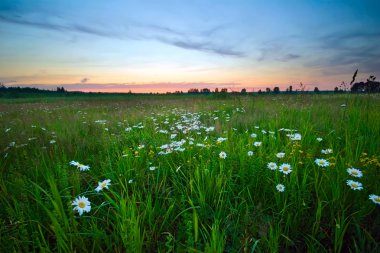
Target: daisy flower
<point>319,139</point>
<point>81,204</point>
<point>286,168</point>
<point>83,167</point>
<point>354,172</point>
<point>222,155</point>
<point>250,153</point>
<point>295,137</point>
<point>102,185</point>
<point>355,185</point>
<point>152,168</point>
<point>322,162</point>
<point>326,151</point>
<point>257,143</point>
<point>253,135</point>
<point>280,155</point>
<point>272,166</point>
<point>74,163</point>
<point>280,187</point>
<point>375,198</point>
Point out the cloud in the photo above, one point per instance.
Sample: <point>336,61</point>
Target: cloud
<point>348,51</point>
<point>203,46</point>
<point>273,51</point>
<point>160,33</point>
<point>84,80</point>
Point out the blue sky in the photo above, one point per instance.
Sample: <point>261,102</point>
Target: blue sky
<point>175,45</point>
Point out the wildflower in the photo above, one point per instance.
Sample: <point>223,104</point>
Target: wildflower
<point>326,151</point>
<point>272,166</point>
<point>319,139</point>
<point>253,135</point>
<point>128,129</point>
<point>250,153</point>
<point>286,168</point>
<point>222,155</point>
<point>74,163</point>
<point>52,141</point>
<point>152,168</point>
<point>81,204</point>
<point>280,187</point>
<point>354,172</point>
<point>295,137</point>
<point>257,144</point>
<point>322,162</point>
<point>102,185</point>
<point>354,185</point>
<point>375,198</point>
<point>130,181</point>
<point>280,155</point>
<point>82,167</point>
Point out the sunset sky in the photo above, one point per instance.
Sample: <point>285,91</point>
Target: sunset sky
<point>163,46</point>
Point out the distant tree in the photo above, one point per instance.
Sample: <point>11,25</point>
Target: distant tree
<point>276,90</point>
<point>243,91</point>
<point>371,86</point>
<point>268,90</point>
<point>290,88</point>
<point>260,91</point>
<point>193,90</point>
<point>216,90</point>
<point>287,90</point>
<point>336,89</point>
<point>205,90</point>
<point>224,90</point>
<point>316,90</point>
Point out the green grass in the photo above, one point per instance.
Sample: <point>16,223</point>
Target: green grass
<point>193,201</point>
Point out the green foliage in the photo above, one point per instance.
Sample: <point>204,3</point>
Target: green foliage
<point>192,200</point>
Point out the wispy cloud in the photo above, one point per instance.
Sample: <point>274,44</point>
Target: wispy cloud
<point>84,80</point>
<point>163,34</point>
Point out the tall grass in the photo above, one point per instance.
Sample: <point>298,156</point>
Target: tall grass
<point>193,201</point>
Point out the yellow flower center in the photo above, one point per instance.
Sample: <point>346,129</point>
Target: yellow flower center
<point>103,185</point>
<point>354,185</point>
<point>81,204</point>
<point>354,172</point>
<point>285,169</point>
<point>377,199</point>
<point>322,162</point>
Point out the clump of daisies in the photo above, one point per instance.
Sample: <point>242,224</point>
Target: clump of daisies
<point>80,166</point>
<point>355,185</point>
<point>322,162</point>
<point>102,185</point>
<point>354,172</point>
<point>327,151</point>
<point>81,204</point>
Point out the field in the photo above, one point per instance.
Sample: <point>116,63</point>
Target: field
<point>269,173</point>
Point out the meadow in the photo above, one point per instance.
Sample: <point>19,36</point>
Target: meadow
<point>269,173</point>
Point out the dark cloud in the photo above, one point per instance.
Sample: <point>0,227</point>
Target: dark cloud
<point>348,50</point>
<point>203,46</point>
<point>84,80</point>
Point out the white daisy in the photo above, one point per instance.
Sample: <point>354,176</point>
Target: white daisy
<point>322,162</point>
<point>81,204</point>
<point>375,198</point>
<point>222,155</point>
<point>253,135</point>
<point>250,153</point>
<point>280,155</point>
<point>257,143</point>
<point>83,167</point>
<point>354,172</point>
<point>319,139</point>
<point>355,185</point>
<point>152,168</point>
<point>272,166</point>
<point>102,185</point>
<point>280,187</point>
<point>286,168</point>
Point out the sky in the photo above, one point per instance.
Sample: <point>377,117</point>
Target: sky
<point>159,46</point>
